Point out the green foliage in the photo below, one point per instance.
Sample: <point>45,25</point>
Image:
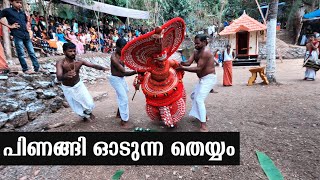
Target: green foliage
<point>66,11</point>
<point>176,8</point>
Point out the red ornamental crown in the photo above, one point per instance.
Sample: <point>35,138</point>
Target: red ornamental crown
<point>158,44</point>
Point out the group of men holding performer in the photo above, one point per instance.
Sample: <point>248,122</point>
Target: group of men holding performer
<point>81,101</point>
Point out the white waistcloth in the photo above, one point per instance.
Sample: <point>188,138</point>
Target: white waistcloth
<point>199,94</point>
<point>313,56</point>
<point>120,86</point>
<point>311,73</point>
<point>79,99</point>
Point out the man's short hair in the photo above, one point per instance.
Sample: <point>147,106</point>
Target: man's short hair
<point>121,43</point>
<point>68,45</point>
<point>201,37</point>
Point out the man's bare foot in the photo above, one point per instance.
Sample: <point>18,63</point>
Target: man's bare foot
<point>203,127</point>
<point>92,117</point>
<point>118,114</point>
<point>125,125</point>
<point>213,91</point>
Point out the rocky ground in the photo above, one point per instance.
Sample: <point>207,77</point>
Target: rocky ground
<point>281,120</point>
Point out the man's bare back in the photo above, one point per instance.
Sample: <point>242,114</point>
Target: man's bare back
<point>117,66</point>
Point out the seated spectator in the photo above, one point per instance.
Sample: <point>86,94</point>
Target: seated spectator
<point>74,40</point>
<point>33,21</point>
<point>42,24</point>
<point>39,42</point>
<point>93,46</point>
<point>61,40</point>
<point>49,38</point>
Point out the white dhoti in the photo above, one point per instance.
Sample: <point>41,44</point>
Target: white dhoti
<point>310,73</point>
<point>199,95</point>
<point>121,87</point>
<point>79,99</point>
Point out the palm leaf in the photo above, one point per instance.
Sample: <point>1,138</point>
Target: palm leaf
<point>268,167</point>
<point>117,175</point>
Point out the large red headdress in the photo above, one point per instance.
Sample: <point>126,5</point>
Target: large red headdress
<point>158,44</point>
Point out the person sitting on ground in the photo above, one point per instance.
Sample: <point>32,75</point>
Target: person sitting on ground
<point>40,42</point>
<point>74,90</point>
<point>60,41</point>
<point>74,40</point>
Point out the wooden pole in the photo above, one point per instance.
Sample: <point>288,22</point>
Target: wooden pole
<point>264,20</point>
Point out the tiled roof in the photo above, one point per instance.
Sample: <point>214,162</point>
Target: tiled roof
<point>243,23</point>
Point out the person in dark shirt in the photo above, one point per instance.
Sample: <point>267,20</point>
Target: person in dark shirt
<point>17,23</point>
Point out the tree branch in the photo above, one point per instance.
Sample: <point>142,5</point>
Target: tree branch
<point>306,3</point>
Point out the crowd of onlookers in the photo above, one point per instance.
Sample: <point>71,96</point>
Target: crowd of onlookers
<point>86,36</point>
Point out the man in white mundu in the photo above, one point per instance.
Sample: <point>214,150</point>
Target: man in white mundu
<point>206,72</point>
<point>73,88</point>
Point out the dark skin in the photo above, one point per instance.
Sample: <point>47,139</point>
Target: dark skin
<point>117,66</point>
<point>228,51</point>
<point>205,65</point>
<point>117,69</point>
<point>204,59</point>
<point>68,68</point>
<point>311,46</point>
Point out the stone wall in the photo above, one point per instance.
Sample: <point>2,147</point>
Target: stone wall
<point>24,97</point>
<point>286,52</point>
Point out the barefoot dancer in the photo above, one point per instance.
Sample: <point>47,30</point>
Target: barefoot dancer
<point>117,81</point>
<point>205,70</point>
<point>73,88</point>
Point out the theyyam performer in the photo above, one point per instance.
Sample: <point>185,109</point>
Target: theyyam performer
<point>160,82</point>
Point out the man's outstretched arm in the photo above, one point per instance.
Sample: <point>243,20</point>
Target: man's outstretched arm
<point>200,65</point>
<point>95,66</point>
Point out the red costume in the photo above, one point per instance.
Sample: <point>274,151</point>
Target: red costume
<point>160,82</point>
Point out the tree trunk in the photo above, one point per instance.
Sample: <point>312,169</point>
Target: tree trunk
<point>298,24</point>
<point>271,41</point>
<point>46,14</point>
<point>6,35</point>
<point>222,5</point>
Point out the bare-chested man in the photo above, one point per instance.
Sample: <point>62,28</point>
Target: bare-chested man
<point>73,88</point>
<point>117,81</point>
<point>205,70</point>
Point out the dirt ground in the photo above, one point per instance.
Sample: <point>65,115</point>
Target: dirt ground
<point>282,121</point>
